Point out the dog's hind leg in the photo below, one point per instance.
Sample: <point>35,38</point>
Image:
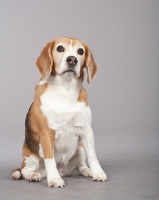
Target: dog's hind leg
<point>29,167</point>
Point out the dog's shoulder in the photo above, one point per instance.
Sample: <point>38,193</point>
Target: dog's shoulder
<point>83,97</point>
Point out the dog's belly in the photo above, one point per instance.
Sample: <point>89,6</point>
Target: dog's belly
<point>67,128</point>
<point>66,143</point>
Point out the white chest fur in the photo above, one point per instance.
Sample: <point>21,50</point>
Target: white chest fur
<point>65,115</point>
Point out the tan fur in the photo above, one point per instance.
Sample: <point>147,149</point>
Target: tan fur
<point>40,126</point>
<point>44,62</point>
<point>90,65</point>
<point>83,96</point>
<point>39,133</point>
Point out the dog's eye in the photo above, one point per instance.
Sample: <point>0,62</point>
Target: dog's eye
<point>80,51</point>
<point>60,49</point>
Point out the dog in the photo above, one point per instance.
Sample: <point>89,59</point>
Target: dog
<point>58,129</point>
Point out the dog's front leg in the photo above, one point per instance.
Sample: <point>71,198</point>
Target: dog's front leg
<point>47,143</point>
<point>87,140</point>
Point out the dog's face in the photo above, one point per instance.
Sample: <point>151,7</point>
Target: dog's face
<point>69,57</point>
<point>66,57</point>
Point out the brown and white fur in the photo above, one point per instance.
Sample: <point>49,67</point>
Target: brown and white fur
<point>58,129</point>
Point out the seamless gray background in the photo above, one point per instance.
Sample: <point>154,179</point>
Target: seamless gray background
<point>124,97</point>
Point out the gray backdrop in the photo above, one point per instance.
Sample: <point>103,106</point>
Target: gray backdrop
<point>124,97</point>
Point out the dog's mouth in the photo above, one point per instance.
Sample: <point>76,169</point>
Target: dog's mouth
<point>69,71</point>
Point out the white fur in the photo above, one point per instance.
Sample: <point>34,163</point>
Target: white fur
<point>72,122</point>
<point>16,174</point>
<point>53,176</point>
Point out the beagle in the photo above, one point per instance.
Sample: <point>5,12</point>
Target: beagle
<point>58,129</point>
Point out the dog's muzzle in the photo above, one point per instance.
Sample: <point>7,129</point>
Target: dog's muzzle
<point>71,64</point>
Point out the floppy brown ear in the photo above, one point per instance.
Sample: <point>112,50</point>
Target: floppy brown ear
<point>44,62</point>
<point>90,65</point>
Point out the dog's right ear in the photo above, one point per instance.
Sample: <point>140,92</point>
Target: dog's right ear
<point>44,62</point>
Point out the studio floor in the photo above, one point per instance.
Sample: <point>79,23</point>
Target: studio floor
<point>131,162</point>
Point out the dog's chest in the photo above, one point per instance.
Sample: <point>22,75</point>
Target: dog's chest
<point>66,116</point>
<point>63,111</point>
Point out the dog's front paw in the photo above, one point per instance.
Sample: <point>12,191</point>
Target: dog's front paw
<point>99,175</point>
<point>56,182</point>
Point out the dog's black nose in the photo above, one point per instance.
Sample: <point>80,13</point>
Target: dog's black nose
<point>71,60</point>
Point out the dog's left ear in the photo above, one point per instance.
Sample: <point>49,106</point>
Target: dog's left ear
<point>44,62</point>
<point>90,64</point>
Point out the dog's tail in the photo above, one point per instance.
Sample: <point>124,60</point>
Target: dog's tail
<point>16,174</point>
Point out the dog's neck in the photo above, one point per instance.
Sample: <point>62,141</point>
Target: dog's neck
<point>63,83</point>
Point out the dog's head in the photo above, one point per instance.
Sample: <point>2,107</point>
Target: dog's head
<point>66,57</point>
